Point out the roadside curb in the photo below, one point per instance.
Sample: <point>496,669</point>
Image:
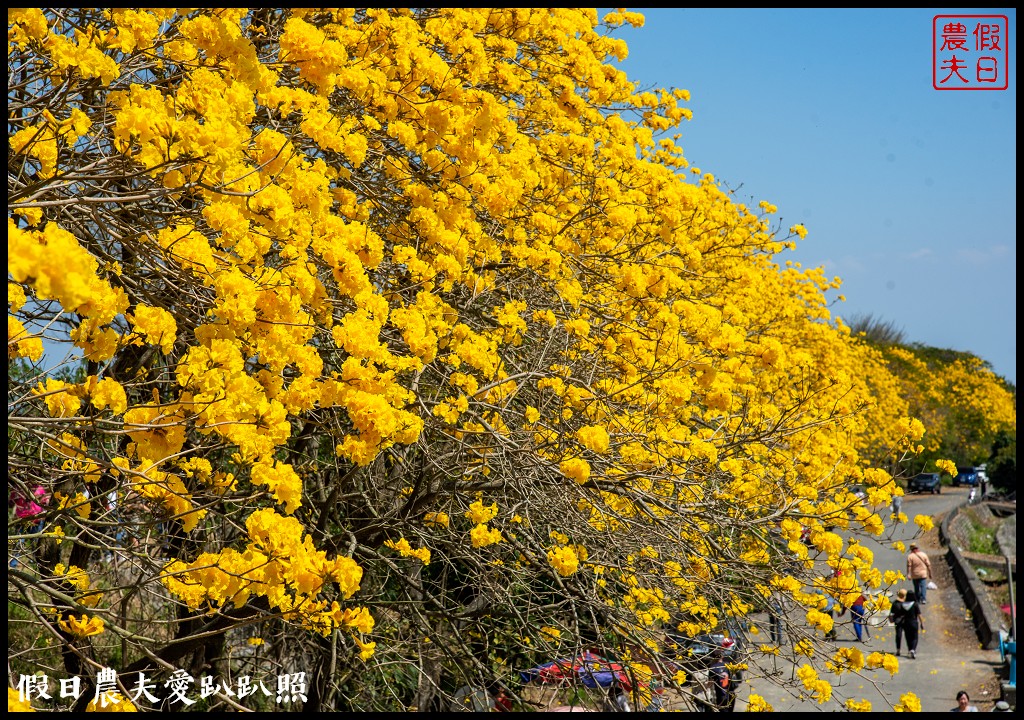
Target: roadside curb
<point>986,616</point>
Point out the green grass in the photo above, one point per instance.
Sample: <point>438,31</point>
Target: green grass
<point>28,650</point>
<point>982,540</point>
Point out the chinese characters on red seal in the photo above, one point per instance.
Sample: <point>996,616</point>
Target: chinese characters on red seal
<point>970,52</point>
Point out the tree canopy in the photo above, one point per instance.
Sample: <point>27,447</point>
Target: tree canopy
<point>414,354</point>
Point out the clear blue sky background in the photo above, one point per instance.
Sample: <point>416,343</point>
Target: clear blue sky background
<point>908,193</point>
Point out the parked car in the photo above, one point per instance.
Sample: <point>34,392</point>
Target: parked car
<point>706,660</point>
<point>926,482</point>
<point>966,476</point>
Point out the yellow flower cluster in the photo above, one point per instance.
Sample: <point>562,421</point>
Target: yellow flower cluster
<point>909,702</point>
<point>594,437</point>
<point>155,326</point>
<point>576,469</point>
<point>479,514</point>
<point>60,402</point>
<point>563,558</point>
<point>820,689</point>
<point>82,627</point>
<point>481,536</point>
<point>280,564</point>
<point>646,604</point>
<point>73,573</point>
<point>820,620</point>
<point>26,24</point>
<point>888,662</point>
<point>756,703</point>
<point>79,503</point>
<point>106,393</point>
<point>111,702</point>
<point>403,548</point>
<point>891,577</point>
<point>849,659</point>
<point>282,480</point>
<point>15,702</point>
<point>228,401</point>
<point>436,519</point>
<point>804,647</point>
<point>61,269</point>
<point>42,142</point>
<point>551,633</point>
<point>366,649</point>
<point>21,342</point>
<point>164,489</point>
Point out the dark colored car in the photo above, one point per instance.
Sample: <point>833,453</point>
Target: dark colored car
<point>926,482</point>
<point>705,659</point>
<point>728,644</point>
<point>966,477</point>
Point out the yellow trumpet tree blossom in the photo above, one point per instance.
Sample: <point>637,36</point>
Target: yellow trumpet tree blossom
<point>393,324</point>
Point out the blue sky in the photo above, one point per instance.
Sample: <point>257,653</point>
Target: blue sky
<point>908,193</point>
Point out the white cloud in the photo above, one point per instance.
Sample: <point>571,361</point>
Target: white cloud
<point>983,255</point>
<point>847,264</point>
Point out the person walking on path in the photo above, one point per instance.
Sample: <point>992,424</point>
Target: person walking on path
<point>963,703</point>
<point>721,680</point>
<point>919,569</point>
<point>831,606</point>
<point>906,616</point>
<point>897,504</point>
<point>775,615</point>
<point>857,614</point>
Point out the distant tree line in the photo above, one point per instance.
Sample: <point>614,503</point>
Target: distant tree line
<point>969,412</point>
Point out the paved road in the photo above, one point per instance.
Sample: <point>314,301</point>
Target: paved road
<point>948,658</point>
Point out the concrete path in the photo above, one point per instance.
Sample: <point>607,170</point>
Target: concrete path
<point>949,656</point>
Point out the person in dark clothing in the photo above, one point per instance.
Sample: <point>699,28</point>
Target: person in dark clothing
<point>725,693</point>
<point>906,616</point>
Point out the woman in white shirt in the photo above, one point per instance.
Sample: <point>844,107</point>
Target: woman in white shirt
<point>963,703</point>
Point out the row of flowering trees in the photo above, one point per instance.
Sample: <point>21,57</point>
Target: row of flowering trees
<point>412,354</point>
